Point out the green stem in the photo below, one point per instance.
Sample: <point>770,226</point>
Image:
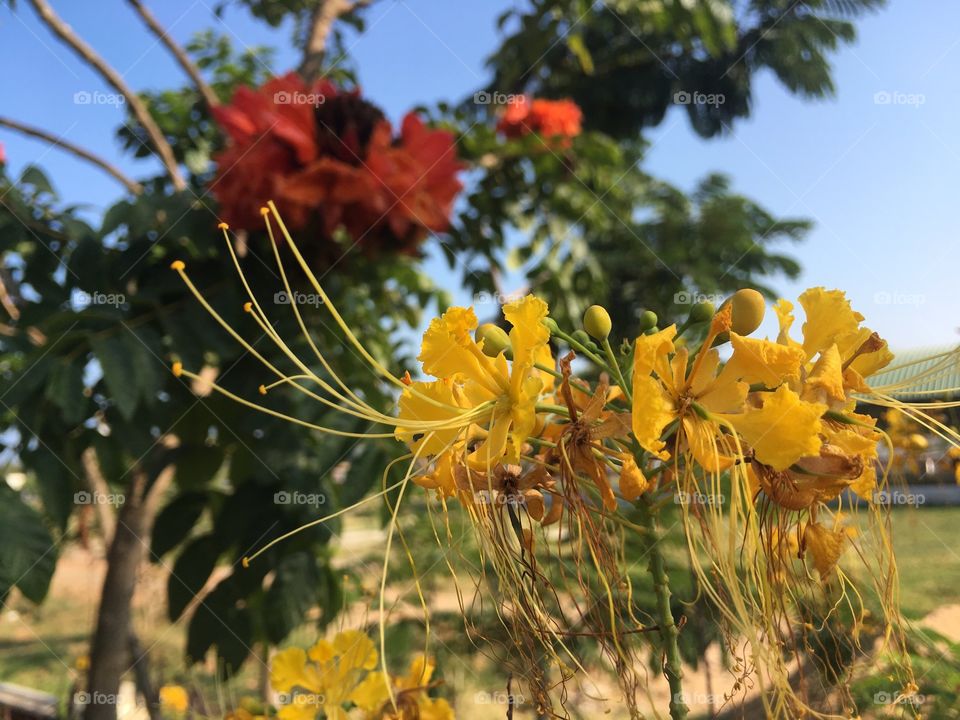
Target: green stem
<point>617,371</point>
<point>669,634</point>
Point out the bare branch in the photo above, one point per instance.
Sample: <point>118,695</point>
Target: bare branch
<point>66,33</point>
<point>132,185</point>
<point>324,16</point>
<point>206,92</point>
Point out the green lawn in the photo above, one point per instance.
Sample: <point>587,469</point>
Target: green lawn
<point>927,544</point>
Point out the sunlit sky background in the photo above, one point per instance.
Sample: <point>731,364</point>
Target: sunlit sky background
<point>879,180</point>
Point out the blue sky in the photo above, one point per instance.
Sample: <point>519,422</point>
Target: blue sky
<point>878,179</point>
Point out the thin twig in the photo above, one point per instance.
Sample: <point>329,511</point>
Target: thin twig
<point>206,92</point>
<point>137,106</point>
<point>324,16</point>
<point>132,185</point>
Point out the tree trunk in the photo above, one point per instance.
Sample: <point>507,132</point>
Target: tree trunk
<point>110,651</point>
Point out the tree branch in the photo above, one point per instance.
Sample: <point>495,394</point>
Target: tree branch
<point>139,109</point>
<point>132,185</point>
<point>206,92</point>
<point>324,16</point>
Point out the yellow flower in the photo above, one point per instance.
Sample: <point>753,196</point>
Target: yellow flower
<point>825,545</point>
<point>783,429</point>
<point>502,394</point>
<point>174,699</point>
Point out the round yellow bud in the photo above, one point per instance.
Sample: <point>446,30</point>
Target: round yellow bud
<point>597,323</point>
<point>747,309</point>
<point>177,265</point>
<point>494,338</point>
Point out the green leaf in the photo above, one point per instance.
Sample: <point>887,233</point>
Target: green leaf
<point>579,49</point>
<point>221,620</point>
<point>293,592</point>
<point>65,390</point>
<point>33,175</point>
<point>175,522</point>
<point>119,372</point>
<point>190,573</point>
<point>27,551</point>
<point>197,465</point>
<point>55,482</point>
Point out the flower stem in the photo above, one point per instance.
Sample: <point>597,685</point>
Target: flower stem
<point>669,634</point>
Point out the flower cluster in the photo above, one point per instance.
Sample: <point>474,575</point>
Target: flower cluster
<point>341,678</point>
<point>767,435</point>
<point>330,160</point>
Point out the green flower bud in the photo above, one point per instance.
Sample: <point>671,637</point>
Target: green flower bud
<point>702,312</point>
<point>551,325</point>
<point>581,337</point>
<point>648,319</point>
<point>651,331</point>
<point>597,323</point>
<point>494,338</point>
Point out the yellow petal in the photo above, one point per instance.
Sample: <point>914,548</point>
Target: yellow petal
<point>419,674</point>
<point>701,437</point>
<point>289,669</point>
<point>528,336</point>
<point>762,361</point>
<point>783,430</point>
<point>448,347</point>
<point>355,649</point>
<point>829,318</point>
<point>652,412</point>
<point>632,482</point>
<point>301,708</point>
<point>647,349</point>
<point>825,381</point>
<point>825,546</point>
<point>372,693</point>
<point>784,310</point>
<point>415,405</point>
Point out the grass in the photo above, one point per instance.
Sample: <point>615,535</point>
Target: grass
<point>927,545</point>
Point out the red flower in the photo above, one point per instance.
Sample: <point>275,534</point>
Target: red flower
<point>329,160</point>
<point>547,118</point>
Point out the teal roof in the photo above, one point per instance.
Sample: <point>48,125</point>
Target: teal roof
<point>928,373</point>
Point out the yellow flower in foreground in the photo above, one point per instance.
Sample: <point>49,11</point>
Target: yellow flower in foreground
<point>783,430</point>
<point>825,546</point>
<point>502,393</point>
<point>174,699</point>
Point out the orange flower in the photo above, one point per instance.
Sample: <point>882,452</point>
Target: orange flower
<point>548,118</point>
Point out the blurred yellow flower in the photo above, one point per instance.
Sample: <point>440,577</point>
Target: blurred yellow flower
<point>174,699</point>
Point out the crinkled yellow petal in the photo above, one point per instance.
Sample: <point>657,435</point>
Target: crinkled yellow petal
<point>647,349</point>
<point>372,692</point>
<point>303,707</point>
<point>528,336</point>
<point>448,348</point>
<point>419,674</point>
<point>652,412</point>
<point>783,430</point>
<point>492,450</point>
<point>355,650</point>
<point>289,669</point>
<point>415,405</point>
<point>829,318</point>
<point>784,310</point>
<point>825,546</point>
<point>762,361</point>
